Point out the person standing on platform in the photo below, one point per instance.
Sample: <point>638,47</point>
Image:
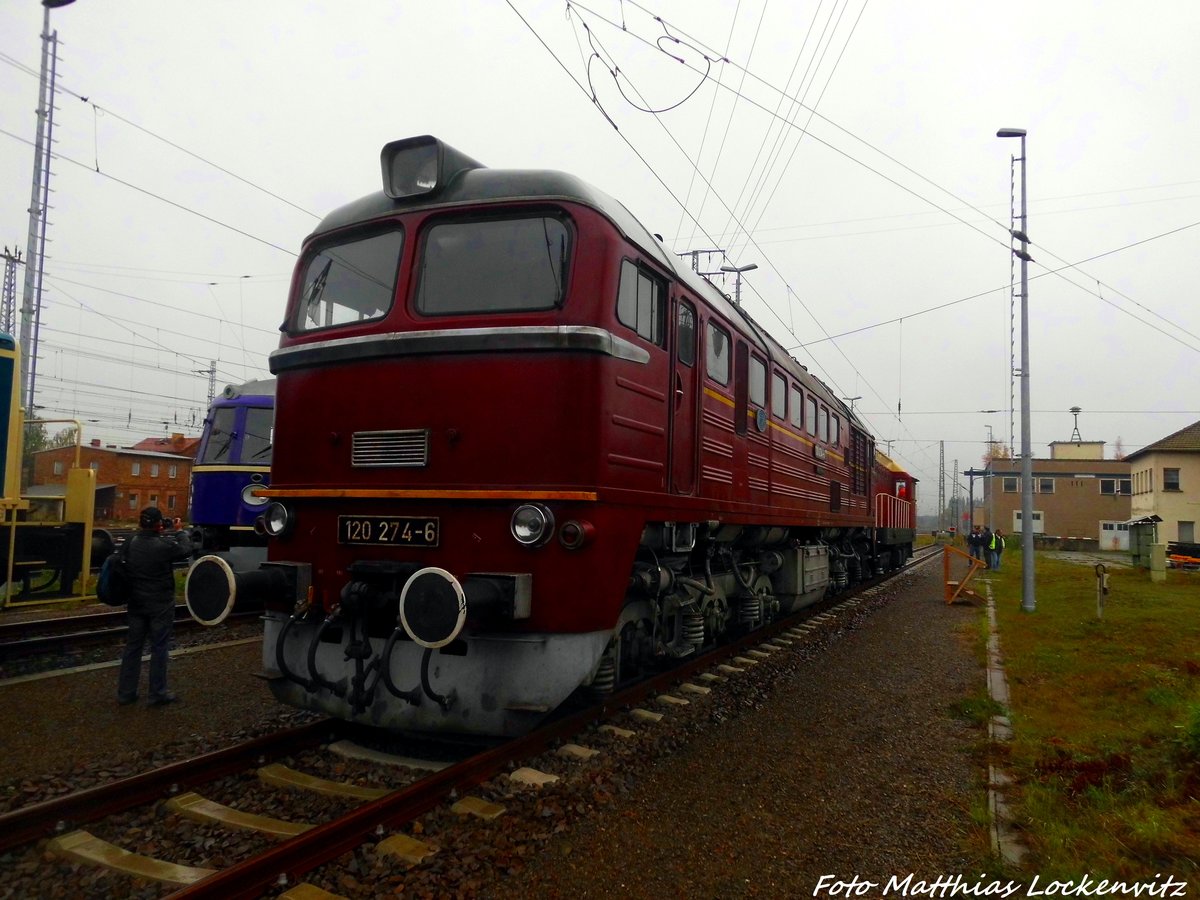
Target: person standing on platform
<point>985,546</point>
<point>151,613</point>
<point>997,548</point>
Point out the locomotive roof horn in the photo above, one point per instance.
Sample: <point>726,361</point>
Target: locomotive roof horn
<point>421,165</point>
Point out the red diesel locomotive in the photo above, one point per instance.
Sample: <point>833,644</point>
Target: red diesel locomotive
<point>521,450</point>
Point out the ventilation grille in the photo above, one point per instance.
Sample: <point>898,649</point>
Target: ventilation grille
<point>379,449</point>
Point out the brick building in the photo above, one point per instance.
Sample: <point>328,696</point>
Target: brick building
<point>1080,499</point>
<point>126,479</point>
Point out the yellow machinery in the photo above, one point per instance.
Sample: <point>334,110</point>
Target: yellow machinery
<point>43,562</point>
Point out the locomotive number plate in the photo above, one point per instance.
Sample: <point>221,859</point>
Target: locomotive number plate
<point>392,531</point>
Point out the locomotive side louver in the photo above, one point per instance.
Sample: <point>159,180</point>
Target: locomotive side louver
<point>378,449</point>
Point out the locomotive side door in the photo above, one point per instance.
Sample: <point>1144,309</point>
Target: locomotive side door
<point>683,399</point>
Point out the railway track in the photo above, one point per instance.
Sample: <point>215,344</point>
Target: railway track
<point>396,792</point>
<point>47,637</point>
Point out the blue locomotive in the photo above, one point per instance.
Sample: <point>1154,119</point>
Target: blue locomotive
<point>233,461</point>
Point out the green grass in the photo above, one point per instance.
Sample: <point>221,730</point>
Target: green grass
<point>1106,715</point>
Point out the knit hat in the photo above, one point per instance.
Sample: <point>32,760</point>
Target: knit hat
<point>150,518</point>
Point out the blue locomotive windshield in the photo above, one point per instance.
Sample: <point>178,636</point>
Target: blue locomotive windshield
<point>350,282</point>
<point>223,445</point>
<point>256,436</point>
<point>493,265</point>
<point>220,436</point>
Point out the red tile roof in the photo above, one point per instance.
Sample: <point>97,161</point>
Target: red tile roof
<point>1185,440</point>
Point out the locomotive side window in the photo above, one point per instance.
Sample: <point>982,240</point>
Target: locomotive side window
<point>823,424</point>
<point>835,429</point>
<point>350,282</point>
<point>810,415</point>
<point>758,381</point>
<point>640,301</point>
<point>220,436</point>
<point>797,405</point>
<point>716,354</point>
<point>493,265</point>
<point>778,395</point>
<point>685,334</point>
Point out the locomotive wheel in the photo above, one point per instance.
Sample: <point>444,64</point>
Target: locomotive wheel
<point>634,645</point>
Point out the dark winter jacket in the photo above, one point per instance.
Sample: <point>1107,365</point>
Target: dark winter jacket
<point>151,569</point>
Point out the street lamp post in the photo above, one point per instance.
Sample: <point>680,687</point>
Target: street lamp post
<point>737,281</point>
<point>1028,600</point>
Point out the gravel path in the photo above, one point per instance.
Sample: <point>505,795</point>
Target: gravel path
<point>67,732</point>
<point>853,766</point>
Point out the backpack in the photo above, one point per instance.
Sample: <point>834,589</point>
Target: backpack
<point>112,584</point>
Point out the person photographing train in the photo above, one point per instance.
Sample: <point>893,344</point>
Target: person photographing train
<point>151,557</point>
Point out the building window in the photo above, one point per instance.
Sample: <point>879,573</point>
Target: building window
<point>1045,485</point>
<point>1116,486</point>
<point>154,470</point>
<point>1010,485</point>
<point>1171,480</point>
<point>94,466</point>
<point>640,301</point>
<point>172,471</point>
<point>135,469</point>
<point>171,501</point>
<point>1039,526</point>
<point>716,354</point>
<point>154,499</point>
<point>778,396</point>
<point>1187,532</point>
<point>58,467</point>
<point>133,498</point>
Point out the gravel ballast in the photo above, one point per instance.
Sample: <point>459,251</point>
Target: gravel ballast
<point>840,755</point>
<point>854,765</point>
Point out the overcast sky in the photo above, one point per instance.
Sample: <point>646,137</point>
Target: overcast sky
<point>878,222</point>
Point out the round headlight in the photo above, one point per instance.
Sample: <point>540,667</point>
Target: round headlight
<point>248,496</point>
<point>532,524</point>
<point>276,520</point>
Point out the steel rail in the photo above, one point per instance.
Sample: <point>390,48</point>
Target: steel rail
<point>29,823</point>
<point>290,859</point>
<point>73,632</point>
